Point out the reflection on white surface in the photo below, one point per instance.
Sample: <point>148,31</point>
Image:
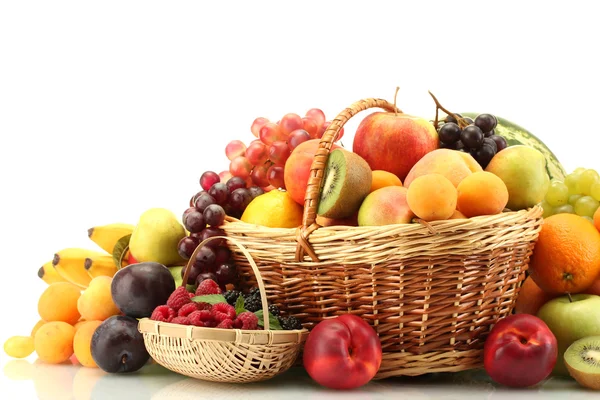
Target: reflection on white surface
<point>67,381</point>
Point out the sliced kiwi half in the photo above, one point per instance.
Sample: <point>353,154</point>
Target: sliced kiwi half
<point>346,182</point>
<point>582,359</point>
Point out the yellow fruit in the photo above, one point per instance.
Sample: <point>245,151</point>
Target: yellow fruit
<point>96,303</point>
<point>37,326</point>
<point>48,274</point>
<point>59,303</point>
<point>19,346</point>
<point>82,343</point>
<point>274,209</point>
<point>70,264</point>
<point>100,266</point>
<point>382,179</point>
<point>79,324</point>
<point>53,342</point>
<point>107,236</point>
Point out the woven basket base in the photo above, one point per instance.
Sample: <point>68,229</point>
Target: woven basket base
<point>406,364</point>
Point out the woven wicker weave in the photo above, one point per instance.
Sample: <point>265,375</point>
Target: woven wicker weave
<point>223,355</point>
<point>431,290</point>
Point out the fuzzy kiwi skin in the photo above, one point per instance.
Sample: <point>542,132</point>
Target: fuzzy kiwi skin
<point>576,366</point>
<point>355,185</point>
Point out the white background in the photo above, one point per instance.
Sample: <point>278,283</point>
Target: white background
<point>110,108</point>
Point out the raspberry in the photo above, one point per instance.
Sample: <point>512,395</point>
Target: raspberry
<point>223,311</point>
<point>178,298</point>
<point>191,294</point>
<point>181,320</point>
<point>187,309</point>
<point>208,286</point>
<point>203,306</point>
<point>163,314</point>
<point>200,317</point>
<point>225,324</point>
<point>246,320</point>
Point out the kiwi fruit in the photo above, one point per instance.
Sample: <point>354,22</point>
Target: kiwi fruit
<point>346,182</point>
<point>582,359</point>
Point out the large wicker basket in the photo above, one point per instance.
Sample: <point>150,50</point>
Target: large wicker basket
<point>223,355</point>
<point>431,290</point>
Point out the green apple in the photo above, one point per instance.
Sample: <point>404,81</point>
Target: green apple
<point>571,319</point>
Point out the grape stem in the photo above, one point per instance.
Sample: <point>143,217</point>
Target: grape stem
<point>438,106</point>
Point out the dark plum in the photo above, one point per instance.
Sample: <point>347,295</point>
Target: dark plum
<point>117,346</point>
<point>139,288</point>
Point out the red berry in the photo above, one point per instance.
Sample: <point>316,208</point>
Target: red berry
<point>181,320</point>
<point>187,309</point>
<point>222,312</point>
<point>225,324</point>
<point>246,320</point>
<point>178,298</point>
<point>163,314</point>
<point>191,294</point>
<point>208,286</point>
<point>200,318</point>
<point>203,306</point>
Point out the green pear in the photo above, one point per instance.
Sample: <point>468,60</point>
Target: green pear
<point>156,237</point>
<point>523,171</point>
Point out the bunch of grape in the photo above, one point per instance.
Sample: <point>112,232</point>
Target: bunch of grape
<point>262,162</point>
<point>578,194</point>
<point>476,137</point>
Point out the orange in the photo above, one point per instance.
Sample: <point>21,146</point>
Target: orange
<point>381,178</point>
<point>566,257</point>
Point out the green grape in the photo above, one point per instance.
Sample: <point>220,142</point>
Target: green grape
<point>572,181</point>
<point>586,205</point>
<point>573,198</point>
<point>589,219</point>
<point>595,190</point>
<point>566,209</point>
<point>578,170</point>
<point>557,194</point>
<point>548,209</point>
<point>586,180</point>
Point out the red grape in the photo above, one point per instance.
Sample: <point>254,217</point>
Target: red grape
<point>192,275</point>
<point>279,152</point>
<point>202,276</point>
<point>256,191</point>
<point>186,247</point>
<point>257,124</point>
<point>267,188</point>
<point>324,128</point>
<point>194,197</point>
<point>270,133</point>
<point>290,122</point>
<point>259,175</point>
<point>226,273</point>
<point>222,254</point>
<point>203,201</point>
<point>186,212</point>
<point>212,232</point>
<point>225,175</point>
<point>310,126</point>
<point>219,192</point>
<point>209,178</point>
<point>205,257</point>
<point>240,198</point>
<point>257,153</point>
<point>235,183</point>
<point>317,114</point>
<point>194,221</point>
<point>275,176</point>
<point>240,166</point>
<point>214,215</point>
<point>297,137</point>
<point>235,148</point>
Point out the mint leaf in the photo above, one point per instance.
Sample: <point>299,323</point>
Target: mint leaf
<point>120,250</point>
<point>210,299</point>
<point>239,305</point>
<point>273,321</point>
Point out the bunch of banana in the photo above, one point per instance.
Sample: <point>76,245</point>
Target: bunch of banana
<point>79,266</point>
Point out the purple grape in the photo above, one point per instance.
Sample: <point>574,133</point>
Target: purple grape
<point>491,143</point>
<point>208,179</point>
<point>205,257</point>
<point>219,192</point>
<point>194,222</point>
<point>490,133</point>
<point>214,215</point>
<point>472,137</point>
<point>500,142</point>
<point>212,232</point>
<point>484,155</point>
<point>222,254</point>
<point>449,133</point>
<point>486,122</point>
<point>186,247</point>
<point>203,201</point>
<point>204,276</point>
<point>194,272</point>
<point>194,197</point>
<point>226,273</point>
<point>239,199</point>
<point>255,191</point>
<point>235,182</point>
<point>186,212</point>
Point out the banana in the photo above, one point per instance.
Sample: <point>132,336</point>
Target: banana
<point>70,264</point>
<point>107,236</point>
<point>100,266</point>
<point>48,274</point>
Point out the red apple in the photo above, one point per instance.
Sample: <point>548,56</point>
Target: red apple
<point>131,259</point>
<point>520,351</point>
<point>342,352</point>
<point>394,142</point>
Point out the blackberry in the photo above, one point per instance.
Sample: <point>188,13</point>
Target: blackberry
<point>252,303</point>
<point>290,323</point>
<point>274,310</point>
<point>231,296</point>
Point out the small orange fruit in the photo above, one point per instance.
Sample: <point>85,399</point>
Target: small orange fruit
<point>597,219</point>
<point>531,298</point>
<point>383,178</point>
<point>566,257</point>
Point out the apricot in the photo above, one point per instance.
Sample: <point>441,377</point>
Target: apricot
<point>37,326</point>
<point>385,206</point>
<point>432,197</point>
<point>383,178</point>
<point>53,342</point>
<point>96,302</point>
<point>454,165</point>
<point>457,215</point>
<point>58,302</point>
<point>531,298</point>
<point>82,343</point>
<point>481,193</point>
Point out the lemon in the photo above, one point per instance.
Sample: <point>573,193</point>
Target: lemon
<point>274,209</point>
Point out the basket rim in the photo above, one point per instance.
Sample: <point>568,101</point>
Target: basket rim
<point>235,336</point>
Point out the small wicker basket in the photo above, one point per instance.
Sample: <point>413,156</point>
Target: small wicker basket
<point>432,291</point>
<point>223,355</point>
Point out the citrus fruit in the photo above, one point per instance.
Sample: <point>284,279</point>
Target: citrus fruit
<point>274,209</point>
<point>566,257</point>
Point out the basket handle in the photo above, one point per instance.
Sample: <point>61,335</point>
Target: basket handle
<point>315,177</point>
<point>261,285</point>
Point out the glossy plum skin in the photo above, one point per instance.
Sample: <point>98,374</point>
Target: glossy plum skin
<point>117,346</point>
<point>520,351</point>
<point>342,353</point>
<point>139,288</point>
